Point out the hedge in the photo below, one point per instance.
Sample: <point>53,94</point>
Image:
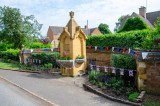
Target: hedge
<point>123,61</point>
<point>37,45</point>
<point>142,39</point>
<point>10,54</point>
<point>127,63</point>
<point>46,58</point>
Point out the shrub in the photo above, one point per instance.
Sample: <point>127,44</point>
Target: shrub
<point>10,54</point>
<point>124,62</point>
<point>5,46</point>
<point>131,39</point>
<point>36,45</point>
<point>46,58</point>
<point>48,66</point>
<point>93,75</point>
<point>133,96</point>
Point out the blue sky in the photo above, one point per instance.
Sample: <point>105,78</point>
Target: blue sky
<point>56,12</point>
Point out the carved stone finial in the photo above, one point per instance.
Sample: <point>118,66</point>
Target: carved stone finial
<point>72,14</point>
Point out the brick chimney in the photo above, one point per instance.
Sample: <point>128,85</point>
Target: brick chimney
<point>142,11</point>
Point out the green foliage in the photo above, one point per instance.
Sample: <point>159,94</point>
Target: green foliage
<point>46,58</point>
<point>10,54</point>
<point>117,85</point>
<point>157,25</point>
<point>48,66</point>
<point>93,75</point>
<point>65,58</point>
<point>104,28</point>
<point>11,24</point>
<point>36,45</point>
<point>15,28</point>
<point>31,27</point>
<point>4,46</point>
<point>132,39</point>
<point>134,23</point>
<point>101,84</point>
<point>123,61</point>
<point>120,20</point>
<point>133,96</point>
<point>80,57</point>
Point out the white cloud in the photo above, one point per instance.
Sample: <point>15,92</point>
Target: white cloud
<point>56,12</point>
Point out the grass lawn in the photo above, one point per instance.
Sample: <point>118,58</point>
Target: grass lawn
<point>10,66</point>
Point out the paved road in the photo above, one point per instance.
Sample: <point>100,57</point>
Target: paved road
<point>13,96</point>
<point>62,91</point>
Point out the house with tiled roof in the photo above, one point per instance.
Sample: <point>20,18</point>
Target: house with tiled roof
<point>54,32</point>
<point>149,18</point>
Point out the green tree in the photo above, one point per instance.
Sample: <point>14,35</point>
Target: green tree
<point>104,28</point>
<point>157,25</point>
<point>15,28</point>
<point>120,20</point>
<point>11,20</point>
<point>134,23</point>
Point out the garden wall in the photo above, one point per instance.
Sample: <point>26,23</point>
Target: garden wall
<point>102,58</point>
<point>148,77</point>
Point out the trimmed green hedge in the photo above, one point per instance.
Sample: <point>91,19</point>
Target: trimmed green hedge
<point>46,58</point>
<point>37,45</point>
<point>127,63</point>
<point>142,39</point>
<point>123,61</point>
<point>10,54</point>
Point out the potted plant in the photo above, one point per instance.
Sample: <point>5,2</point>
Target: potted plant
<point>79,59</point>
<point>65,62</point>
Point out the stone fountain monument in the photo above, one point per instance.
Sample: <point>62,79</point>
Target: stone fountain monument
<point>73,48</point>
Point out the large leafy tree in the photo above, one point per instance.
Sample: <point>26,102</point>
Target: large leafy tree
<point>134,23</point>
<point>104,28</point>
<point>120,20</point>
<point>16,29</point>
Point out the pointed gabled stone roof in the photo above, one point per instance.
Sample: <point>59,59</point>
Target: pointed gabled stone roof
<point>72,24</point>
<point>72,29</point>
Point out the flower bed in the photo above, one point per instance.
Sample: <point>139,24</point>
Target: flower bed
<point>113,86</point>
<point>96,90</point>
